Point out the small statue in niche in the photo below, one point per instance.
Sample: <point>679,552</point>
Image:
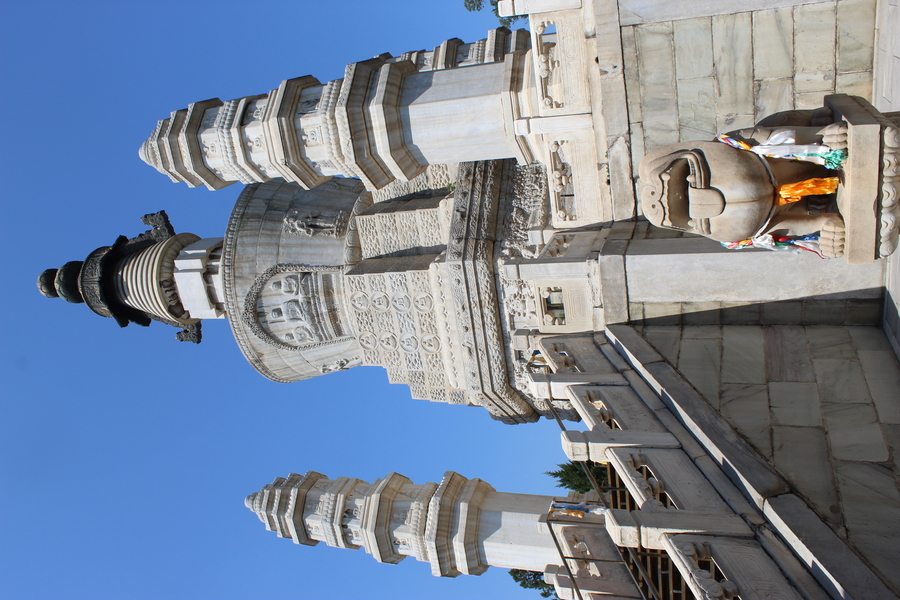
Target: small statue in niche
<point>316,224</point>
<point>777,178</point>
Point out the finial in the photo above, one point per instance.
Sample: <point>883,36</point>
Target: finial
<point>62,282</point>
<point>45,283</point>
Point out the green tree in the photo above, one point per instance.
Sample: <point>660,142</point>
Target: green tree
<point>532,580</point>
<point>477,5</point>
<point>571,476</point>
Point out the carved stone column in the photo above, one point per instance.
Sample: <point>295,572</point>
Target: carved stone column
<point>459,525</point>
<point>388,118</point>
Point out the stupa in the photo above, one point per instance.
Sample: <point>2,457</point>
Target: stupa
<point>466,217</point>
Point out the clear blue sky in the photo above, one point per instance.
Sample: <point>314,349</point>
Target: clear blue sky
<point>124,454</point>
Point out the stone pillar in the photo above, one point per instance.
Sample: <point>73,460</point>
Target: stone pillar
<point>459,526</point>
<point>388,118</point>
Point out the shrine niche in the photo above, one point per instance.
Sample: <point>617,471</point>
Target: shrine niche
<point>294,306</point>
<point>813,179</point>
<point>314,223</point>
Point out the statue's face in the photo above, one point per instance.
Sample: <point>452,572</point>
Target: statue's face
<point>707,188</point>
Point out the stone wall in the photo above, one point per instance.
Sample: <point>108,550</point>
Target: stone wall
<point>690,78</point>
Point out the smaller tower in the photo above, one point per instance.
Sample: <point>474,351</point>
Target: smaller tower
<point>156,276</point>
<point>459,526</point>
<point>388,118</point>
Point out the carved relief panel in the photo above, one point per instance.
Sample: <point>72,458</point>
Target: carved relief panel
<point>298,306</point>
<point>397,327</point>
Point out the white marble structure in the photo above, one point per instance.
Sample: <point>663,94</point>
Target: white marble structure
<point>388,118</point>
<point>746,401</point>
<point>460,526</point>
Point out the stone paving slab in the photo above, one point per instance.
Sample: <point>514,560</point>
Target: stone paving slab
<point>855,35</point>
<point>869,338</point>
<point>693,48</point>
<point>882,372</point>
<point>740,461</point>
<point>733,54</point>
<point>835,566</point>
<point>666,340</point>
<point>892,435</point>
<point>858,83</point>
<point>655,48</point>
<point>699,361</point>
<point>746,406</point>
<point>787,354</point>
<point>700,313</point>
<point>830,342</point>
<point>743,358</point>
<point>871,504</point>
<point>771,96</point>
<point>773,44</point>
<point>795,403</point>
<point>814,25</point>
<point>854,432</point>
<point>801,455</point>
<point>701,332</point>
<point>841,381</point>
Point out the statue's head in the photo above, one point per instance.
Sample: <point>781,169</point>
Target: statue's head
<point>707,188</point>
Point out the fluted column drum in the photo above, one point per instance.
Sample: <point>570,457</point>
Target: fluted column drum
<point>146,280</point>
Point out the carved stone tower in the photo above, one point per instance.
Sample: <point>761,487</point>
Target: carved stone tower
<point>156,276</point>
<point>460,526</point>
<point>388,118</point>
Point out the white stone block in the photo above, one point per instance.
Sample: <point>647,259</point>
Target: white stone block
<point>656,524</point>
<point>601,440</point>
<point>511,8</point>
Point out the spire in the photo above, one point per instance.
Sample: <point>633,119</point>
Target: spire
<point>131,281</point>
<point>388,118</point>
<point>452,525</point>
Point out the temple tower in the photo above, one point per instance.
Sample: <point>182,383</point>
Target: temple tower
<point>460,526</point>
<point>157,276</point>
<point>388,118</point>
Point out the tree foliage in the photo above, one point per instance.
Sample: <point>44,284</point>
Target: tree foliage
<point>477,5</point>
<point>533,580</point>
<point>571,476</point>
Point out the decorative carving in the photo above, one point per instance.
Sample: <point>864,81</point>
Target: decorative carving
<point>700,579</point>
<point>740,190</point>
<point>312,137</point>
<point>316,224</point>
<point>359,301</point>
<point>561,185</point>
<point>472,284</point>
<point>545,48</point>
<point>526,208</point>
<point>340,365</point>
<point>401,302</point>
<point>890,191</point>
<point>368,340</point>
<point>431,343</point>
<point>296,312</point>
<point>423,302</point>
<point>409,342</point>
<point>380,301</point>
<point>388,341</point>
